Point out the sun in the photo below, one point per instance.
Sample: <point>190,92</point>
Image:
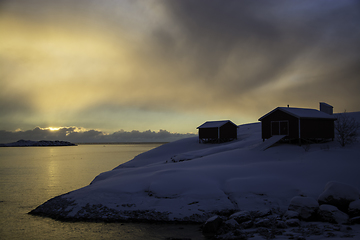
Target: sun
<point>53,128</point>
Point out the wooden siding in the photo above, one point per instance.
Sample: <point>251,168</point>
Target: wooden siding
<point>208,133</point>
<point>317,128</point>
<point>310,128</point>
<point>228,131</point>
<point>293,127</point>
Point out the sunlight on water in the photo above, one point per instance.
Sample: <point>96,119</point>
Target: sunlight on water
<point>30,176</point>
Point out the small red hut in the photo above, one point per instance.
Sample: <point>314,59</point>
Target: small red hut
<point>217,131</point>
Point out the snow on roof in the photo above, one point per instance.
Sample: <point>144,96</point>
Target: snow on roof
<point>214,124</point>
<point>302,113</point>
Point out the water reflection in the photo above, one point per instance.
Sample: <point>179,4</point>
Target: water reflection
<point>52,170</point>
<point>31,176</point>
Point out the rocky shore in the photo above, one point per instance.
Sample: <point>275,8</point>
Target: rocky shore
<point>334,214</point>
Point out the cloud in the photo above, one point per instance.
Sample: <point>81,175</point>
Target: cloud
<point>112,64</point>
<point>242,46</point>
<point>80,135</point>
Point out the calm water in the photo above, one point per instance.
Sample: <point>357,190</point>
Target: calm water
<point>30,176</point>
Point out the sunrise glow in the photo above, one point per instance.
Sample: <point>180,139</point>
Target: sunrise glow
<point>53,128</point>
<point>149,65</point>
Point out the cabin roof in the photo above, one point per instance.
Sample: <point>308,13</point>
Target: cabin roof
<point>215,124</point>
<point>301,113</point>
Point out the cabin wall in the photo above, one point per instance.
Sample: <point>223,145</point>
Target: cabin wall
<point>208,133</point>
<point>293,124</point>
<point>317,128</point>
<point>228,131</point>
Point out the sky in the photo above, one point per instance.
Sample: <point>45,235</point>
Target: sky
<point>135,66</point>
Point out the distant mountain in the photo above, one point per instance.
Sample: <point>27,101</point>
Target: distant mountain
<point>42,143</point>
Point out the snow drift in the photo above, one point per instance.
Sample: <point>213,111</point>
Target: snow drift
<point>188,181</point>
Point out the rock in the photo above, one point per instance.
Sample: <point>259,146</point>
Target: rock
<point>355,220</point>
<point>261,213</point>
<point>267,233</point>
<point>332,214</point>
<point>281,224</point>
<point>247,224</point>
<point>339,195</point>
<point>264,222</point>
<point>307,207</point>
<point>293,222</point>
<point>231,223</point>
<point>226,228</point>
<point>290,215</point>
<point>242,216</point>
<point>212,225</point>
<point>354,209</point>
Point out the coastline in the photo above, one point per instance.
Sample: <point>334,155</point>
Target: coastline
<point>41,143</point>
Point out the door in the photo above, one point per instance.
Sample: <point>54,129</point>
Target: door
<point>279,128</point>
<point>284,128</point>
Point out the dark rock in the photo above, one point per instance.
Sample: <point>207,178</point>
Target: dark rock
<point>332,214</point>
<point>354,209</point>
<point>281,224</point>
<point>269,233</point>
<point>306,207</point>
<point>290,215</point>
<point>339,195</point>
<point>242,216</point>
<point>212,225</point>
<point>247,224</point>
<point>265,222</point>
<point>170,238</point>
<point>261,213</point>
<point>355,220</point>
<point>231,223</point>
<point>293,222</point>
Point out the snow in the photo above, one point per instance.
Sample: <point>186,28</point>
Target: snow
<point>339,191</point>
<point>302,113</point>
<point>189,181</point>
<point>213,124</point>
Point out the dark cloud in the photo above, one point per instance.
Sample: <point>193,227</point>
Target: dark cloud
<point>159,63</point>
<point>72,134</point>
<point>239,46</point>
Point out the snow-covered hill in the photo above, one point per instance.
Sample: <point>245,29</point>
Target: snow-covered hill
<point>188,181</point>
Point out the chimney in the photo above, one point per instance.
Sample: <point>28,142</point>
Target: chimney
<point>326,108</point>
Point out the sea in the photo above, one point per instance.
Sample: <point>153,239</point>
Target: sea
<point>29,176</point>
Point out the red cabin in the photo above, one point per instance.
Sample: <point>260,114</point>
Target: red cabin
<point>299,123</point>
<point>217,131</point>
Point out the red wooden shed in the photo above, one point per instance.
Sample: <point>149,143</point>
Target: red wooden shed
<point>217,131</point>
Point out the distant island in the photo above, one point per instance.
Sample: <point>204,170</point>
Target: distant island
<point>42,143</point>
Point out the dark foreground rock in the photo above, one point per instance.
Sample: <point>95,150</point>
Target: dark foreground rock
<point>65,209</point>
<point>60,208</point>
<point>306,207</point>
<point>339,195</point>
<point>304,217</point>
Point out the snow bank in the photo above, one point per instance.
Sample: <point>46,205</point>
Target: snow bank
<point>188,181</point>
